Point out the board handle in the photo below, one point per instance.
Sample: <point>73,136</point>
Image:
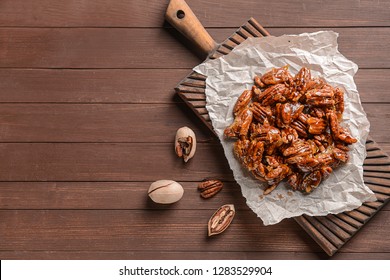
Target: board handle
<point>181,17</point>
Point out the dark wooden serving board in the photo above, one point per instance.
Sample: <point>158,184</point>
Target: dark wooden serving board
<point>331,232</point>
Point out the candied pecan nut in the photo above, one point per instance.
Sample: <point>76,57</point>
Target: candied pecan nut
<point>307,164</point>
<point>300,127</point>
<point>338,132</point>
<point>240,125</point>
<point>311,181</point>
<point>295,180</point>
<point>269,189</point>
<point>339,101</point>
<point>325,171</point>
<point>320,97</point>
<point>316,83</point>
<point>316,125</point>
<point>242,101</point>
<point>274,94</point>
<point>299,147</point>
<point>318,112</point>
<point>302,78</point>
<point>277,76</point>
<point>261,113</point>
<point>258,82</point>
<point>340,155</point>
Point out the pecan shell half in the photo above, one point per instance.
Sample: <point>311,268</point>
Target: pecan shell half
<point>221,219</point>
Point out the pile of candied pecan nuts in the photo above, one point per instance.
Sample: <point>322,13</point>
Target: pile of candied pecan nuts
<point>289,128</point>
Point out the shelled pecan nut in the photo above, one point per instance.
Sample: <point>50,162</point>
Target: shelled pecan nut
<point>209,188</point>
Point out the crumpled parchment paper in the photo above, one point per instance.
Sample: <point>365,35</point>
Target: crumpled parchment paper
<point>229,75</point>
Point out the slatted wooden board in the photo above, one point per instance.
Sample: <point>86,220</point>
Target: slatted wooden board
<point>331,232</point>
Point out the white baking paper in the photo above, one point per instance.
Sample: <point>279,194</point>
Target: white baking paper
<point>229,75</point>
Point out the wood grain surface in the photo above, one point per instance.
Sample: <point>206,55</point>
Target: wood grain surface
<point>119,47</point>
<point>88,116</point>
<point>133,13</point>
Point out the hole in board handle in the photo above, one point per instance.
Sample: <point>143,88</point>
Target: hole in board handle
<point>180,14</point>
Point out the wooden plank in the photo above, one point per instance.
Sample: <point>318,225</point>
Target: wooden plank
<point>375,205</point>
<point>197,76</point>
<point>379,189</point>
<point>82,13</point>
<point>341,224</point>
<point>375,154</point>
<point>95,123</point>
<point>191,89</point>
<point>118,195</point>
<point>369,82</point>
<point>130,85</point>
<point>127,123</point>
<point>357,216</point>
<point>347,219</point>
<point>108,162</point>
<point>95,48</point>
<point>135,230</point>
<point>377,161</point>
<point>377,174</point>
<point>256,25</point>
<point>366,210</point>
<point>178,255</point>
<point>116,47</point>
<point>244,33</point>
<point>383,239</point>
<point>90,86</point>
<point>195,97</point>
<point>194,83</point>
<point>131,13</point>
<point>236,38</point>
<point>316,235</point>
<point>385,147</point>
<point>377,168</point>
<point>107,195</point>
<point>325,231</point>
<point>229,44</point>
<point>334,228</point>
<point>222,49</point>
<point>381,197</point>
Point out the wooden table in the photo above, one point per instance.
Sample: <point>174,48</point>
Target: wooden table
<point>88,116</point>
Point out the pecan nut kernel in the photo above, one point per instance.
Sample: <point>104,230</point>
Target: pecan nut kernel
<point>221,219</point>
<point>185,143</point>
<point>209,188</point>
